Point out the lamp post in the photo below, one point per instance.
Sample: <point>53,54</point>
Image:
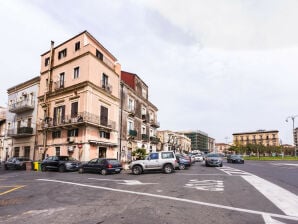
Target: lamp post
<point>294,138</point>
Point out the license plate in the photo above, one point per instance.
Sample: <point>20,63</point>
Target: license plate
<point>117,169</point>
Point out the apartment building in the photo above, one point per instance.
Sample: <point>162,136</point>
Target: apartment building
<point>173,141</point>
<point>222,147</point>
<point>138,116</point>
<point>199,140</point>
<point>211,144</point>
<point>2,133</point>
<point>21,118</point>
<point>266,138</point>
<point>79,100</point>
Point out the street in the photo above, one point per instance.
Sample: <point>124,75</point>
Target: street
<point>254,192</point>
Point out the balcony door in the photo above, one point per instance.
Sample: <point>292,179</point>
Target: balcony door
<point>104,116</point>
<point>59,115</point>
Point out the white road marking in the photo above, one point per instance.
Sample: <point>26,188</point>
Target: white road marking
<point>282,198</point>
<point>177,199</point>
<point>126,182</point>
<point>206,185</point>
<point>269,220</point>
<point>233,172</point>
<point>284,164</point>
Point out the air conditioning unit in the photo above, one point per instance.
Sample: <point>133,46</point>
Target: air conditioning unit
<point>70,139</point>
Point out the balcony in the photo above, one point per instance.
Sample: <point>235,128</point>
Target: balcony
<point>21,106</point>
<point>154,140</point>
<point>58,85</point>
<point>145,117</point>
<point>132,133</point>
<point>154,123</point>
<point>131,111</point>
<point>82,119</point>
<point>20,132</point>
<point>144,137</point>
<point>107,87</point>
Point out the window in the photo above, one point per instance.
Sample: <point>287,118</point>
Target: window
<point>27,151</point>
<point>62,54</point>
<point>104,116</point>
<point>144,93</point>
<point>59,115</point>
<point>76,72</point>
<point>99,55</point>
<point>17,151</point>
<point>130,126</point>
<point>104,134</point>
<point>57,151</point>
<point>74,109</point>
<point>47,61</point>
<point>143,110</point>
<point>143,130</point>
<point>131,105</point>
<point>153,156</point>
<point>56,134</point>
<point>167,155</point>
<point>77,46</point>
<point>61,80</point>
<point>105,80</point>
<point>73,133</point>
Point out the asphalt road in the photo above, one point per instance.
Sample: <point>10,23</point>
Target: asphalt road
<point>233,194</point>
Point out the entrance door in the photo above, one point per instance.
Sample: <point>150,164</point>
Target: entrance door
<point>102,152</point>
<point>27,151</point>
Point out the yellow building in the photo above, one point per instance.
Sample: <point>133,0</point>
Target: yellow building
<point>263,137</point>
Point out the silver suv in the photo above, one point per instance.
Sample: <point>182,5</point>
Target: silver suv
<point>164,161</point>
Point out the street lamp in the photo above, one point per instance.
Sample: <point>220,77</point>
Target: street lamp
<point>295,142</point>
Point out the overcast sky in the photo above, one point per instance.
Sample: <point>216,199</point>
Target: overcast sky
<point>219,66</point>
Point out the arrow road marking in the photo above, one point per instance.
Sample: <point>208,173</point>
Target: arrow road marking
<point>206,185</point>
<point>126,182</point>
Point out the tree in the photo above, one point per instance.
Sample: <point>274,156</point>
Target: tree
<point>139,153</point>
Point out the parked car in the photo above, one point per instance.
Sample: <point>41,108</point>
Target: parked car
<point>235,159</point>
<point>17,163</point>
<point>192,157</point>
<point>101,165</point>
<point>213,159</point>
<point>183,162</point>
<point>60,163</point>
<point>162,161</point>
<point>198,157</point>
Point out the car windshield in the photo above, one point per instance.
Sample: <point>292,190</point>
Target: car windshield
<point>237,156</point>
<point>113,161</point>
<point>213,155</point>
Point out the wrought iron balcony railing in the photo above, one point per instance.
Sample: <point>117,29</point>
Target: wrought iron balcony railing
<point>21,106</point>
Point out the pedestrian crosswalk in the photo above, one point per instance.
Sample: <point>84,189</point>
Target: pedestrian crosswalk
<point>206,185</point>
<point>233,172</point>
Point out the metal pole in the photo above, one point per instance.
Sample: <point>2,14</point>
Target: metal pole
<point>120,128</point>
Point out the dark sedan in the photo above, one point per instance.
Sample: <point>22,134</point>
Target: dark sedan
<point>235,159</point>
<point>101,165</point>
<point>60,163</point>
<point>17,163</point>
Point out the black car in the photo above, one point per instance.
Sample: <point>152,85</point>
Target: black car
<point>17,163</point>
<point>101,165</point>
<point>235,159</point>
<point>60,163</point>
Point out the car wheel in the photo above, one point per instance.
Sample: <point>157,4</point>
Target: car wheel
<point>61,168</point>
<point>43,168</point>
<point>81,170</point>
<point>181,167</point>
<point>137,170</point>
<point>220,165</point>
<point>168,168</point>
<point>103,172</point>
<point>118,172</point>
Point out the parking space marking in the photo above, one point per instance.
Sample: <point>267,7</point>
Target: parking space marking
<point>266,214</point>
<point>206,185</point>
<point>11,188</point>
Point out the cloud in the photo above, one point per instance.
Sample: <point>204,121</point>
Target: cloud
<point>234,25</point>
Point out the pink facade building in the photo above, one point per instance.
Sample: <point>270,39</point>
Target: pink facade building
<point>79,100</point>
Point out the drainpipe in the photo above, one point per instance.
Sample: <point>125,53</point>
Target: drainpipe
<point>121,115</point>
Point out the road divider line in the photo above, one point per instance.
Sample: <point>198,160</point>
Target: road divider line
<point>266,214</point>
<point>13,189</point>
